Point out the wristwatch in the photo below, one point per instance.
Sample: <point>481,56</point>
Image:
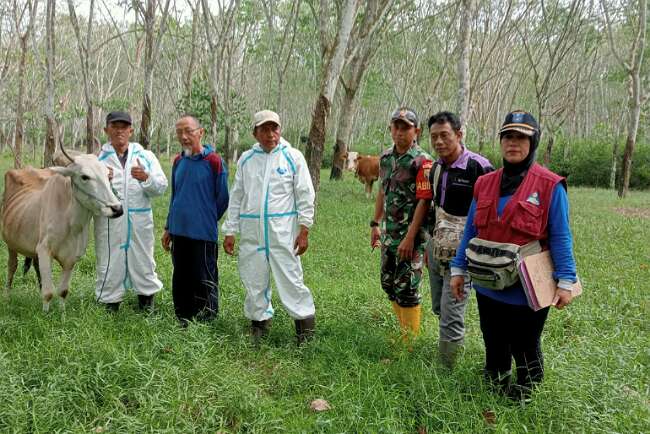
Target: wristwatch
<point>374,224</point>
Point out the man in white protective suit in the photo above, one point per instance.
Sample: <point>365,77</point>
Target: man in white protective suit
<point>272,208</point>
<point>124,246</point>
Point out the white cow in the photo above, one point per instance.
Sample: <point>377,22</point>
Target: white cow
<point>46,214</point>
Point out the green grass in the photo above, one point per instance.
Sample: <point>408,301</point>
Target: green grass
<point>84,370</point>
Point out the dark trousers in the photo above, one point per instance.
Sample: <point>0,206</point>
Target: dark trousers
<point>195,280</point>
<point>400,280</point>
<point>511,331</point>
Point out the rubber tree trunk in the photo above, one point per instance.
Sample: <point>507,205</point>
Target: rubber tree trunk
<point>316,141</point>
<point>463,60</point>
<point>50,122</point>
<point>633,127</point>
<point>549,150</point>
<point>329,81</point>
<point>213,117</point>
<point>343,133</point>
<point>20,110</point>
<point>612,171</point>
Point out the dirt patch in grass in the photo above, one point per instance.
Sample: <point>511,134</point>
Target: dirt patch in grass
<point>634,212</point>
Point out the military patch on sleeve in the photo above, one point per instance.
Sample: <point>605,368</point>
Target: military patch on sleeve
<point>426,167</point>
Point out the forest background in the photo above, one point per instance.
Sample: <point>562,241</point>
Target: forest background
<point>334,70</point>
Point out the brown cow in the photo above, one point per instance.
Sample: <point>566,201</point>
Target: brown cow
<point>367,171</point>
<point>349,161</point>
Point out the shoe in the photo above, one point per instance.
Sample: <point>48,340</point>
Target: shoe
<point>145,302</point>
<point>520,394</point>
<point>112,307</point>
<point>305,329</point>
<point>500,383</point>
<point>259,329</point>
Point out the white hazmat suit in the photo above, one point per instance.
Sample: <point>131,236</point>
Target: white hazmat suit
<point>124,246</point>
<point>272,195</point>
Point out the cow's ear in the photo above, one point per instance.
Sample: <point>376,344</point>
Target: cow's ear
<point>65,171</point>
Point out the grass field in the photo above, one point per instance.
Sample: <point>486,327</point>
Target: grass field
<point>84,370</point>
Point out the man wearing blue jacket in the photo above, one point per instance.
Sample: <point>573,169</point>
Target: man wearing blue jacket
<point>199,199</point>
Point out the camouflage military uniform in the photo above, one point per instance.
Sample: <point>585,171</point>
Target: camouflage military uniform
<point>401,279</point>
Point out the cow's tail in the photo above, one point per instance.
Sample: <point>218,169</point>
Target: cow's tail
<point>32,262</point>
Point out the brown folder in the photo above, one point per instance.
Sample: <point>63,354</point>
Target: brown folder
<point>536,273</point>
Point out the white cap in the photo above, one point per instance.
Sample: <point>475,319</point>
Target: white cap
<point>265,116</point>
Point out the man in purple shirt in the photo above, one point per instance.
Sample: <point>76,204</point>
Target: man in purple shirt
<point>452,179</point>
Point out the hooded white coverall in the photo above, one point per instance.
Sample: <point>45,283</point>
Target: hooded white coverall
<point>124,246</point>
<point>271,196</point>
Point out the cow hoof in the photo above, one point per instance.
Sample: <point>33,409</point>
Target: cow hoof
<point>46,307</point>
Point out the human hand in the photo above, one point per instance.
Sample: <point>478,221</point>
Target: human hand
<point>375,235</point>
<point>166,241</point>
<point>405,249</point>
<point>457,285</point>
<point>229,244</point>
<point>302,241</point>
<point>562,298</point>
<point>138,171</point>
<point>110,173</point>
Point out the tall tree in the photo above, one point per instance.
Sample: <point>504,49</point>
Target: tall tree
<point>464,47</point>
<point>152,42</point>
<point>23,32</point>
<point>636,94</point>
<point>548,42</point>
<point>219,34</point>
<point>334,53</point>
<point>281,42</point>
<point>83,46</point>
<point>51,134</point>
<point>366,38</point>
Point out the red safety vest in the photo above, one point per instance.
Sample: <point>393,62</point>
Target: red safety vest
<point>525,216</point>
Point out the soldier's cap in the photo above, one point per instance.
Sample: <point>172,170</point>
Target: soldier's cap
<point>265,116</point>
<point>118,117</point>
<point>405,114</point>
<point>520,121</point>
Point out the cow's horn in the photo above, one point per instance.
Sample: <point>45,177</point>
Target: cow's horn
<point>65,153</point>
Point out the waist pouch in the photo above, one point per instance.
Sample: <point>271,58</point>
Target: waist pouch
<point>494,265</point>
<point>447,233</point>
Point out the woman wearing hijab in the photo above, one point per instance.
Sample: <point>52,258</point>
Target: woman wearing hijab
<point>520,204</point>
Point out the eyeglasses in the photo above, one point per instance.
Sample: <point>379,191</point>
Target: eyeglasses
<point>186,131</point>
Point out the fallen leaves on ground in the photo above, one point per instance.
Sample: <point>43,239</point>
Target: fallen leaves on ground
<point>320,405</point>
<point>490,417</point>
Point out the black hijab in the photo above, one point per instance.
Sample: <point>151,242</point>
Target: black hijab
<point>514,173</point>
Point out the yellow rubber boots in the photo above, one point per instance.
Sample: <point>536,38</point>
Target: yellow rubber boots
<point>409,320</point>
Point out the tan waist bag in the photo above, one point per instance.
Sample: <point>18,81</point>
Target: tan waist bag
<point>447,233</point>
<point>494,265</point>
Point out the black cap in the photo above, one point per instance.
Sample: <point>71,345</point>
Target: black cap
<point>405,114</point>
<point>118,117</point>
<point>520,121</point>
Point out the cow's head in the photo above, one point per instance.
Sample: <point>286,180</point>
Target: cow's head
<point>350,160</point>
<point>90,185</point>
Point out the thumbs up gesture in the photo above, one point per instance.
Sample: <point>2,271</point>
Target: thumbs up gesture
<point>138,172</point>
